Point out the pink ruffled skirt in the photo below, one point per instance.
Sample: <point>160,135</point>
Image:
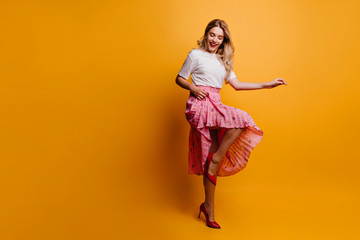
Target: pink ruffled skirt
<point>209,113</point>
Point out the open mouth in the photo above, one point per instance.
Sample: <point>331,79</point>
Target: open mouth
<point>213,44</point>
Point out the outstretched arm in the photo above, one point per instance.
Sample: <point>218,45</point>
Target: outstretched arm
<point>237,85</point>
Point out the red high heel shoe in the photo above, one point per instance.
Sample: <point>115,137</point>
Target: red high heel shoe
<point>208,223</point>
<point>206,169</point>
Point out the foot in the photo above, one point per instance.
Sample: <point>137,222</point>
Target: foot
<point>210,211</point>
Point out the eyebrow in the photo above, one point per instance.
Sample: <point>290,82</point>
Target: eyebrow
<point>215,34</point>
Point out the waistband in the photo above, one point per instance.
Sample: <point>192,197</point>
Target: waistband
<point>209,89</point>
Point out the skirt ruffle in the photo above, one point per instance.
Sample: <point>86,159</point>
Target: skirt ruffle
<point>209,113</point>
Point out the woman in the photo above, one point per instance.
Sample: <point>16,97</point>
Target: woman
<point>221,137</point>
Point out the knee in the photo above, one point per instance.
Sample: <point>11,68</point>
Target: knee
<point>239,130</point>
<point>235,131</point>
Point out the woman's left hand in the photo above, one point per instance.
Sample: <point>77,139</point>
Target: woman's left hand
<point>274,83</point>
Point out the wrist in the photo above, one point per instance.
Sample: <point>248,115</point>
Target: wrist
<point>265,85</point>
<point>191,86</point>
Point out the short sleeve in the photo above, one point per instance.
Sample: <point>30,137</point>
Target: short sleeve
<point>232,75</point>
<point>187,68</point>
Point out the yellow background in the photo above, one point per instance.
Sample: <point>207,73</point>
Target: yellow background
<point>94,136</point>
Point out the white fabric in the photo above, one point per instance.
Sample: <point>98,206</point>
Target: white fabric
<point>205,69</point>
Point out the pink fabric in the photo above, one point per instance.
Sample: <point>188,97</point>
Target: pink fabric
<point>210,112</point>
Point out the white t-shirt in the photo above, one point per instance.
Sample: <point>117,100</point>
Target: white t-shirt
<point>205,69</point>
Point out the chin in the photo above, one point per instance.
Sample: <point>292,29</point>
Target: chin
<point>212,50</point>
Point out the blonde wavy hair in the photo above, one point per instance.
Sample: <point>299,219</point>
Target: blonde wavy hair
<point>226,50</point>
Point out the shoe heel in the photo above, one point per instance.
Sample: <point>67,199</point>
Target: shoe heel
<point>208,223</point>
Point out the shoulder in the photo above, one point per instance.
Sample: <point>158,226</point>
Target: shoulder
<point>195,53</point>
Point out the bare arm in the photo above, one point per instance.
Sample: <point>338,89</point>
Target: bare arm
<point>237,85</point>
<point>196,91</point>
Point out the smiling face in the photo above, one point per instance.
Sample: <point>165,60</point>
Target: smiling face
<point>215,37</point>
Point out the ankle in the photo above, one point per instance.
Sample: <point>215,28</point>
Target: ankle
<point>210,211</point>
<point>207,205</point>
<point>209,208</point>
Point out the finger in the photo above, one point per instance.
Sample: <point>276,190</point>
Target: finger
<point>204,94</point>
<point>279,82</point>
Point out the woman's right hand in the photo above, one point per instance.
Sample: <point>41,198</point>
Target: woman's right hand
<point>198,92</point>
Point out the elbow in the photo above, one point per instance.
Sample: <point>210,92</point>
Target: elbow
<point>237,88</point>
<point>179,80</point>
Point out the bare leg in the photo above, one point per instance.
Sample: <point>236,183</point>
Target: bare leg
<point>209,186</point>
<point>228,139</point>
<point>219,151</point>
